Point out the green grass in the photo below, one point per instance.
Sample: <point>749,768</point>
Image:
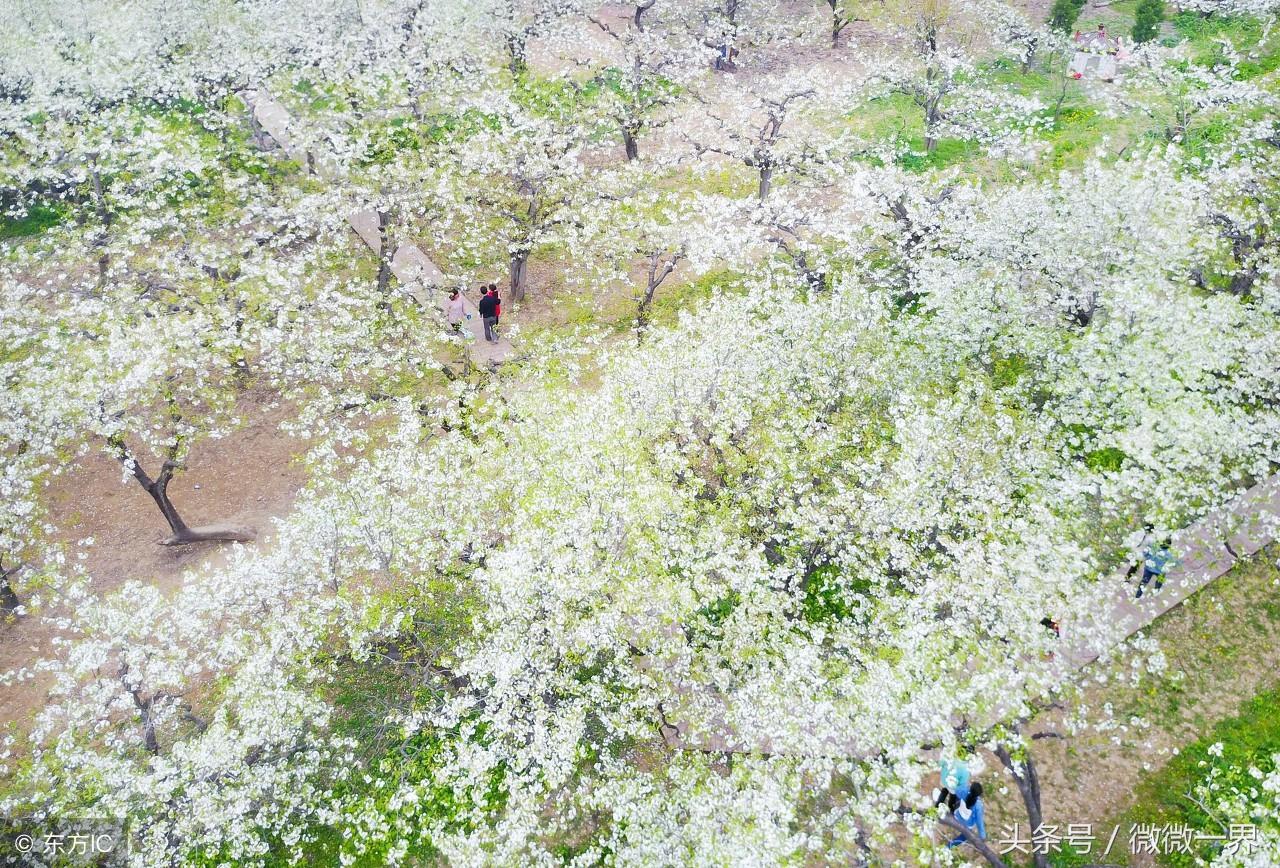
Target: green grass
<point>716,179</point>
<point>1204,38</point>
<point>829,595</point>
<point>555,97</point>
<point>1074,138</point>
<point>896,118</point>
<point>1118,17</point>
<point>886,117</point>
<point>1251,737</point>
<point>670,301</point>
<point>38,219</point>
<point>1079,129</point>
<point>1081,125</point>
<point>947,152</point>
<point>1009,74</point>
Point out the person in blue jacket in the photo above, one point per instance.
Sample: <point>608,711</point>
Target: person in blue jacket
<point>972,814</point>
<point>1156,559</point>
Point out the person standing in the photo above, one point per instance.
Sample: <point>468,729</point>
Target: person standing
<point>489,314</point>
<point>953,774</point>
<point>455,310</point>
<point>971,814</point>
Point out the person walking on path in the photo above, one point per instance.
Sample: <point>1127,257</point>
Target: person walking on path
<point>497,311</point>
<point>1156,559</point>
<point>489,313</point>
<point>455,310</point>
<point>497,308</point>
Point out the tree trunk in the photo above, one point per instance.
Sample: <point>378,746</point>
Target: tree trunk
<point>656,277</point>
<point>814,279</point>
<point>149,731</point>
<point>104,262</point>
<point>642,309</point>
<point>519,269</point>
<point>932,103</point>
<point>144,706</point>
<point>992,857</point>
<point>104,216</point>
<point>385,254</point>
<point>516,49</point>
<point>1058,103</point>
<point>9,601</point>
<point>629,142</point>
<point>766,181</point>
<point>1242,282</point>
<point>642,313</point>
<point>158,488</point>
<point>642,8</point>
<point>99,196</point>
<point>1028,783</point>
<point>836,24</point>
<point>931,125</point>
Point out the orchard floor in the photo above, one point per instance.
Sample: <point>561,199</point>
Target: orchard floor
<point>1224,639</point>
<point>246,478</point>
<point>1221,646</point>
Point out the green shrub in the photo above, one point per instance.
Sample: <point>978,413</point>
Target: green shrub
<point>1063,14</point>
<point>1147,20</point>
<point>37,219</point>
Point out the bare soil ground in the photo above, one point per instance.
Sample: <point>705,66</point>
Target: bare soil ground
<point>1221,646</point>
<point>246,478</point>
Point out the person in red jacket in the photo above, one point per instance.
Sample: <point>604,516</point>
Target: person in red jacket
<point>493,291</point>
<point>488,312</point>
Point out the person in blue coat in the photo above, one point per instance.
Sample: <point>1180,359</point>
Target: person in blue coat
<point>971,813</point>
<point>1156,559</point>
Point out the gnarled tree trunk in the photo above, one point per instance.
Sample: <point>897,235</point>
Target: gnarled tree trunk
<point>385,254</point>
<point>517,61</point>
<point>158,488</point>
<point>932,114</point>
<point>1023,772</point>
<point>9,601</point>
<point>992,857</point>
<point>766,180</point>
<point>519,273</point>
<point>658,272</point>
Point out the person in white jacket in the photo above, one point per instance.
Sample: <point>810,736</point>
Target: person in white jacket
<point>455,310</point>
